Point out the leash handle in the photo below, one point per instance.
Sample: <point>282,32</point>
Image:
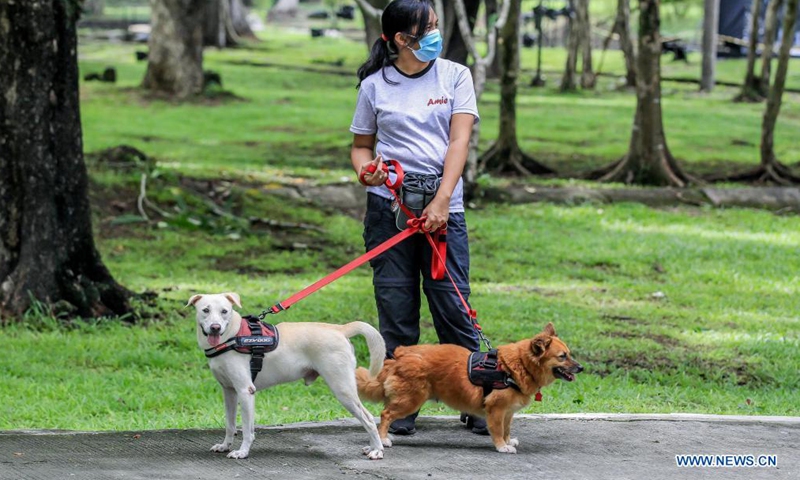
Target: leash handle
<point>387,167</point>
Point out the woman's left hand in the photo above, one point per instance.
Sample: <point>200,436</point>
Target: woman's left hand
<point>437,213</point>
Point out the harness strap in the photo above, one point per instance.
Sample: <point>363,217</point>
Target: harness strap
<point>257,351</point>
<point>221,348</point>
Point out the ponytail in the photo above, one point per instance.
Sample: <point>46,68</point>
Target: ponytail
<point>380,56</point>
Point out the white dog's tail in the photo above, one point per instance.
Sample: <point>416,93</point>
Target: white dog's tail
<point>375,343</point>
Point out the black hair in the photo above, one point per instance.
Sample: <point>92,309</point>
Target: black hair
<point>399,16</point>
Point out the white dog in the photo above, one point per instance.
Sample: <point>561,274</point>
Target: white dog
<point>305,350</point>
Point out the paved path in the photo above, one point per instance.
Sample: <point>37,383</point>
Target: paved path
<point>552,447</point>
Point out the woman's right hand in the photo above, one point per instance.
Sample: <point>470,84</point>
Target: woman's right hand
<point>373,179</point>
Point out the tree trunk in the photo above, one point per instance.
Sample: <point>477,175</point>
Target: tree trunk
<point>175,62</point>
<point>94,7</point>
<point>47,252</point>
<point>622,26</point>
<point>710,26</point>
<point>770,31</point>
<point>238,15</point>
<point>587,74</point>
<point>456,50</point>
<point>772,169</point>
<point>505,155</point>
<point>283,10</point>
<point>480,67</point>
<point>749,91</point>
<point>568,81</point>
<point>371,11</point>
<point>492,12</point>
<point>225,23</point>
<point>648,161</point>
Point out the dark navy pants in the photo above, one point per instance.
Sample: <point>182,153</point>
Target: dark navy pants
<point>396,278</point>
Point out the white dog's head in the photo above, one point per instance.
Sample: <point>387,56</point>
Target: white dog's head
<point>214,314</point>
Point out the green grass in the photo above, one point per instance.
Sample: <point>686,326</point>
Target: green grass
<point>721,336</point>
<point>722,340</point>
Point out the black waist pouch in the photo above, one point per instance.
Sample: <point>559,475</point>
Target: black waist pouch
<point>416,193</point>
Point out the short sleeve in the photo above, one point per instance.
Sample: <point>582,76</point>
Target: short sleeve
<point>365,117</point>
<point>464,95</point>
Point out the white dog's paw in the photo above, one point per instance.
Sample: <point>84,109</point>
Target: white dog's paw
<point>505,449</point>
<point>373,454</point>
<point>221,447</point>
<point>513,442</point>
<point>387,442</point>
<point>238,454</point>
<point>251,389</point>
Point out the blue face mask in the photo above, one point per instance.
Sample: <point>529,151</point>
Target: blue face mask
<point>430,46</point>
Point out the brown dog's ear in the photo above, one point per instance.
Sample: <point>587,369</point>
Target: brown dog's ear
<point>549,330</point>
<point>233,297</point>
<point>539,345</point>
<point>194,299</point>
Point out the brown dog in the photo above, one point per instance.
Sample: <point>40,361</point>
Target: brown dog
<point>439,372</point>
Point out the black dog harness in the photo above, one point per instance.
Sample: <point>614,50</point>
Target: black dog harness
<point>484,371</point>
<point>254,338</point>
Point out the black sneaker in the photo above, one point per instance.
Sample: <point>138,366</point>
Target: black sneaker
<point>479,426</point>
<point>476,424</point>
<point>404,426</point>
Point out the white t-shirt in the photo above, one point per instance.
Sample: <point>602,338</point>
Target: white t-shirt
<point>411,120</point>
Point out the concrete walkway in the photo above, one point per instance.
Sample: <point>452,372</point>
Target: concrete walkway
<point>551,447</point>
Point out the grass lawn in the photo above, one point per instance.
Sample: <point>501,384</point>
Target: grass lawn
<point>670,310</point>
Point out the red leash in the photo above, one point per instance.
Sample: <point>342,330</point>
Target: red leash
<point>437,241</point>
<point>414,226</point>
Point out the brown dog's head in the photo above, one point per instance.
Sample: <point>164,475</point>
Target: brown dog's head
<point>553,357</point>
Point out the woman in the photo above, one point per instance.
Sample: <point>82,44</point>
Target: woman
<point>418,109</point>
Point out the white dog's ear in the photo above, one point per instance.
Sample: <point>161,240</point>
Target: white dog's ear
<point>194,299</point>
<point>234,298</point>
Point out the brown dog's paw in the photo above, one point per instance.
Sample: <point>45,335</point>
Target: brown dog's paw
<point>507,449</point>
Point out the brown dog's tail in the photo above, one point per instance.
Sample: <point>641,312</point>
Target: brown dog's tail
<point>369,388</point>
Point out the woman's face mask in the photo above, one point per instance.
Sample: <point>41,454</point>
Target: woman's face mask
<point>430,46</point>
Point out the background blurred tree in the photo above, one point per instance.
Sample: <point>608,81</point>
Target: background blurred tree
<point>479,68</point>
<point>283,10</point>
<point>709,47</point>
<point>371,11</point>
<point>771,170</point>
<point>225,23</point>
<point>455,48</point>
<point>579,43</point>
<point>506,155</point>
<point>622,27</point>
<point>770,32</point>
<point>648,161</point>
<point>94,7</point>
<point>750,87</point>
<point>175,59</point>
<point>47,251</point>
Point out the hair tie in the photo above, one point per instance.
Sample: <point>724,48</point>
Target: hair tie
<point>383,37</point>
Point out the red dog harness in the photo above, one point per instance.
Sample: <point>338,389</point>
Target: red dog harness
<point>254,338</point>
